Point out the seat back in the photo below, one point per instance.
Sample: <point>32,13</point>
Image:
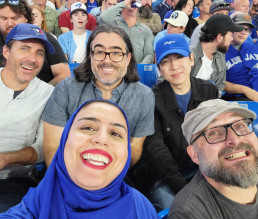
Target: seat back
<point>163,214</point>
<point>148,73</point>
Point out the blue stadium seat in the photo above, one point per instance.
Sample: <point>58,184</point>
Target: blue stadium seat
<point>72,66</point>
<point>148,73</point>
<point>254,107</point>
<point>163,214</point>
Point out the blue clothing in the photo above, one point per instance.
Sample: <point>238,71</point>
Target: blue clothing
<point>68,44</point>
<point>242,66</point>
<point>57,196</point>
<point>162,9</point>
<point>165,33</point>
<point>90,5</point>
<point>183,101</point>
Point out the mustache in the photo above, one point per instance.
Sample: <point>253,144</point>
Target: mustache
<point>30,64</point>
<point>106,65</point>
<point>241,146</point>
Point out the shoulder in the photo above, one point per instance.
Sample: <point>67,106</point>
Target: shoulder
<point>140,88</point>
<point>204,88</point>
<point>158,89</point>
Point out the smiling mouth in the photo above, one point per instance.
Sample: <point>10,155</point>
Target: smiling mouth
<point>237,155</point>
<point>27,67</point>
<point>96,159</point>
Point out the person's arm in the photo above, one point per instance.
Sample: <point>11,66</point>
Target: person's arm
<point>58,62</point>
<point>148,48</point>
<point>110,14</point>
<point>241,89</point>
<point>25,156</point>
<point>57,30</point>
<point>52,136</point>
<point>91,23</point>
<point>63,23</point>
<point>136,149</point>
<point>60,71</point>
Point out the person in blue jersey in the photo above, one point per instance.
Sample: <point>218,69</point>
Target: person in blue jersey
<point>85,178</point>
<point>165,167</point>
<point>242,64</point>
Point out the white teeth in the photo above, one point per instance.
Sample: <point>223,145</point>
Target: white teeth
<point>108,69</point>
<point>237,155</point>
<point>96,159</point>
<point>29,68</point>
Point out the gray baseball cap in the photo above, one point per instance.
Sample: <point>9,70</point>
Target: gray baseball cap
<point>198,119</point>
<point>243,19</point>
<point>220,5</point>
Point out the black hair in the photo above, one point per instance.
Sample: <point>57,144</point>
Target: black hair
<point>22,8</point>
<point>83,72</point>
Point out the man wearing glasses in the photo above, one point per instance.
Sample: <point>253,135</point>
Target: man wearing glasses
<point>223,144</point>
<point>242,63</point>
<point>108,72</point>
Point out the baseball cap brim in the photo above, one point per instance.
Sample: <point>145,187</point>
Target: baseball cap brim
<point>246,23</point>
<point>176,24</point>
<point>49,47</point>
<point>246,113</point>
<point>235,28</point>
<point>182,52</point>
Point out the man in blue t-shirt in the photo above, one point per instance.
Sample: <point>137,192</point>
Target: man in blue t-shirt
<point>242,63</point>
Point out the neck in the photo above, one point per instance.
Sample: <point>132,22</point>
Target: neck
<point>209,49</point>
<point>130,20</point>
<point>79,31</point>
<point>234,193</point>
<point>204,17</point>
<point>107,90</point>
<point>42,6</point>
<point>182,88</point>
<point>11,81</point>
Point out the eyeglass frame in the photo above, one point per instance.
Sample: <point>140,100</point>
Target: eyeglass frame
<point>226,128</point>
<point>248,30</point>
<point>11,2</point>
<point>108,53</point>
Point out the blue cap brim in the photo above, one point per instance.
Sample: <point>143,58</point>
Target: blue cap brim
<point>182,52</point>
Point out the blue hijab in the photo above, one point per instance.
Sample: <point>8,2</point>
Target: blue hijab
<point>57,196</point>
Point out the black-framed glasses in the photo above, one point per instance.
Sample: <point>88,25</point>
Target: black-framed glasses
<point>219,134</point>
<point>11,2</point>
<point>114,56</point>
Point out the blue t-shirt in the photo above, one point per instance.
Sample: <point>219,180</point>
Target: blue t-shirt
<point>91,5</point>
<point>183,100</point>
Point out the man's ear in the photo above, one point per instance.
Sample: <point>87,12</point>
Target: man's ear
<point>5,51</point>
<point>192,152</point>
<point>219,38</point>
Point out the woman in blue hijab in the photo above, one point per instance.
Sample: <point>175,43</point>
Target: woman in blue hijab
<point>85,178</point>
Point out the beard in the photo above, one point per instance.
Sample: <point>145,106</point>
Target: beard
<point>244,176</point>
<point>222,47</point>
<point>146,12</point>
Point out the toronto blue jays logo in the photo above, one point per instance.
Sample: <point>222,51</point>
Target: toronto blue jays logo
<point>37,31</point>
<point>78,5</point>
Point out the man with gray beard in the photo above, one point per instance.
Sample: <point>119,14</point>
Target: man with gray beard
<point>223,144</point>
<point>147,17</point>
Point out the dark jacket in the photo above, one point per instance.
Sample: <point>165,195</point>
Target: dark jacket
<point>164,155</point>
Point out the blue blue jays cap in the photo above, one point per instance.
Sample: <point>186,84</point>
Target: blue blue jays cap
<point>26,31</point>
<point>170,44</point>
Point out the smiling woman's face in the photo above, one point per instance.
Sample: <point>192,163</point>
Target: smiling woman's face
<point>96,148</point>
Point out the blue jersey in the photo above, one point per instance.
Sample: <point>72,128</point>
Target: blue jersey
<point>242,66</point>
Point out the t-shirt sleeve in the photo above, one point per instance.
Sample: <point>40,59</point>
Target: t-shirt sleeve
<point>58,56</point>
<point>145,124</point>
<point>56,110</point>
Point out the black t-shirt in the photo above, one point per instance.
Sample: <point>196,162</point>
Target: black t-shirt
<point>50,59</point>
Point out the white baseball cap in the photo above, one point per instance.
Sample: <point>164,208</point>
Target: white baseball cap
<point>178,19</point>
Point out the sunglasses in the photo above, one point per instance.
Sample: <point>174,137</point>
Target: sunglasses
<point>11,2</point>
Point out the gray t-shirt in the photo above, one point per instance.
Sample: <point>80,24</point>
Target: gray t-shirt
<point>199,200</point>
<point>136,99</point>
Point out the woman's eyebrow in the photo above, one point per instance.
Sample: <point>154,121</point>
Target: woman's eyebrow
<point>118,125</point>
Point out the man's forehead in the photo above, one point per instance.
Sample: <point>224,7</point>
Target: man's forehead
<point>220,121</point>
<point>101,41</point>
<point>30,43</point>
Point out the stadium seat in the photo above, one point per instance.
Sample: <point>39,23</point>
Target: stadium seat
<point>148,73</point>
